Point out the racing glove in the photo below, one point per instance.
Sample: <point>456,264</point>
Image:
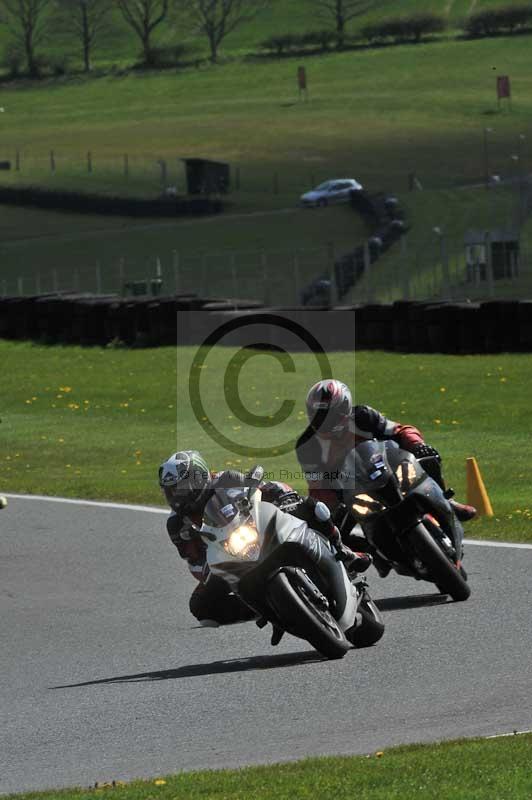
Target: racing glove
<point>423,450</point>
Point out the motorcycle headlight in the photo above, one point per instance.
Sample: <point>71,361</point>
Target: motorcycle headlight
<point>363,505</point>
<point>406,475</point>
<point>243,543</point>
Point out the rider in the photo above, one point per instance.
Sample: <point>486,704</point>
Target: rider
<point>335,427</point>
<point>187,484</point>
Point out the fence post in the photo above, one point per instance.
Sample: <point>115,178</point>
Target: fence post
<point>52,161</point>
<point>489,263</point>
<point>405,268</point>
<point>121,276</point>
<point>333,296</point>
<point>297,282</point>
<point>264,267</point>
<point>444,255</point>
<point>368,273</point>
<point>175,257</point>
<point>233,279</point>
<point>98,278</point>
<point>164,172</point>
<point>204,274</point>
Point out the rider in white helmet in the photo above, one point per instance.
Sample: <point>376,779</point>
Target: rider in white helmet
<point>187,484</point>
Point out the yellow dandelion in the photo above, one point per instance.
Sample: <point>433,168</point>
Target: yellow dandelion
<point>437,421</point>
<point>379,754</point>
<point>28,402</point>
<point>503,380</point>
<point>443,389</point>
<point>159,782</point>
<point>61,440</point>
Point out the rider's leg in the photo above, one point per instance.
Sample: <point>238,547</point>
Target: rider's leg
<point>213,604</point>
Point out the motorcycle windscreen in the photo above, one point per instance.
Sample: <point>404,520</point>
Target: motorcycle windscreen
<point>365,468</point>
<point>229,527</point>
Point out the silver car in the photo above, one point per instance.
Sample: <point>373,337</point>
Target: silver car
<point>335,191</point>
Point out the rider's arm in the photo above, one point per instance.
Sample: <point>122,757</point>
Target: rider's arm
<point>319,485</point>
<point>371,423</point>
<point>189,547</point>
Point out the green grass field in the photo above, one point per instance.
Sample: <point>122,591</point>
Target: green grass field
<point>96,423</point>
<point>474,769</point>
<point>375,114</point>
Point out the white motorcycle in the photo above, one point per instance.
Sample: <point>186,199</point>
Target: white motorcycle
<point>288,573</point>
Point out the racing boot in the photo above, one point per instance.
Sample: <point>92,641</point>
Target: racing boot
<point>464,512</point>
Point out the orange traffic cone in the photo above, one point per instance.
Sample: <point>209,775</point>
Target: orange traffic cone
<point>476,491</point>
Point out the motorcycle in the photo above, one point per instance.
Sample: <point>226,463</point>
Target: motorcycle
<point>404,515</point>
<point>287,572</point>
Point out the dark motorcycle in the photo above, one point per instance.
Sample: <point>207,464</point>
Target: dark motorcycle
<point>287,572</point>
<point>404,515</point>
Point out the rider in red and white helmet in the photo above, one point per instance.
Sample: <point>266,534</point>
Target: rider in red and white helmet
<point>335,427</point>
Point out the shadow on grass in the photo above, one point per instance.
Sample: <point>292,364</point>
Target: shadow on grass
<point>213,668</point>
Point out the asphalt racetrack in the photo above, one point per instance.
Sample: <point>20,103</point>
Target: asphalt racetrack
<point>105,675</point>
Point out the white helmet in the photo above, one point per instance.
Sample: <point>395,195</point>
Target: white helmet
<point>183,478</point>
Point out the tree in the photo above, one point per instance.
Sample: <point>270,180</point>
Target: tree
<point>27,22</point>
<point>218,18</point>
<point>86,19</point>
<point>144,16</point>
<point>342,12</point>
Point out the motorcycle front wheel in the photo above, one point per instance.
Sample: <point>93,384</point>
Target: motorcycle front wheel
<point>371,627</point>
<point>302,617</point>
<point>443,573</point>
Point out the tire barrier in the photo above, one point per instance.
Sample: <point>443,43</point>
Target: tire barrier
<point>383,214</point>
<point>167,206</point>
<point>494,326</point>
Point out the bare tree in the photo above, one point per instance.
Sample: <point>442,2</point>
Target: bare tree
<point>218,18</point>
<point>144,16</point>
<point>85,19</point>
<point>27,23</point>
<point>342,12</point>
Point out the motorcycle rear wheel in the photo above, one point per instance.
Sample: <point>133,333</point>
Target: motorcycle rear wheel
<point>304,619</point>
<point>443,573</point>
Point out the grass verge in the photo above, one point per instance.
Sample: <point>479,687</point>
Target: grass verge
<point>474,769</point>
<point>96,423</point>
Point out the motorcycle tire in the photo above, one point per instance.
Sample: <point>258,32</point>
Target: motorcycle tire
<point>371,627</point>
<point>303,618</point>
<point>443,573</point>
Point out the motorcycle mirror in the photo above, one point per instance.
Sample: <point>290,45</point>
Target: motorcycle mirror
<point>256,475</point>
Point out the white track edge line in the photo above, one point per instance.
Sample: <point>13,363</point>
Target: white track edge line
<point>94,503</point>
<point>155,510</point>
<point>502,735</point>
